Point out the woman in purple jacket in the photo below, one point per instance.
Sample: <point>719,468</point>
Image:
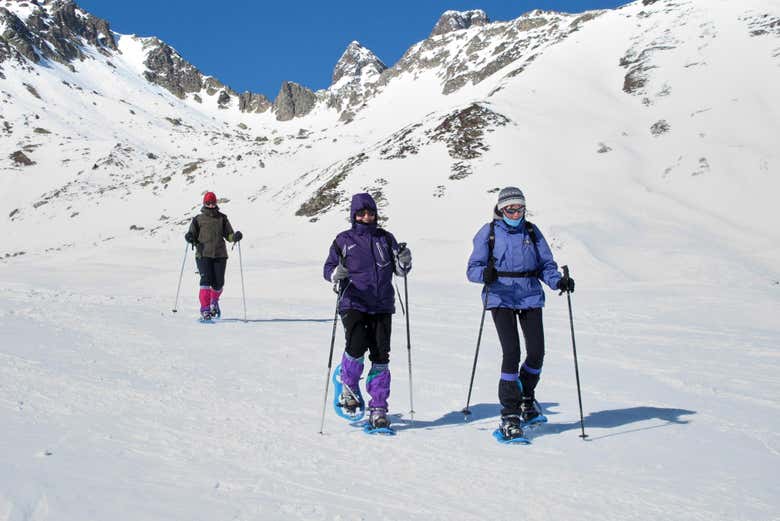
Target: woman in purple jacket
<point>362,261</point>
<point>511,258</point>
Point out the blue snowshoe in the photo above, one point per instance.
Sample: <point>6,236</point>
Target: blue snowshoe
<point>510,431</point>
<point>348,403</point>
<point>378,423</point>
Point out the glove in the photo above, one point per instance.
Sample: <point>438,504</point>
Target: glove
<point>403,259</point>
<point>566,285</point>
<point>237,236</point>
<point>490,273</point>
<point>190,238</point>
<point>339,274</point>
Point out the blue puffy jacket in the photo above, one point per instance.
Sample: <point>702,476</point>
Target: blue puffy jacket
<point>514,252</point>
<point>367,251</point>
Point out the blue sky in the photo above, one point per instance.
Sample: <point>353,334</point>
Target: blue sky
<point>255,45</point>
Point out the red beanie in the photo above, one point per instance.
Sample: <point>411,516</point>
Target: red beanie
<point>210,198</point>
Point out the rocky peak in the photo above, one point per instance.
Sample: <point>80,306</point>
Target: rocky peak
<point>357,62</point>
<point>56,31</point>
<point>293,101</point>
<point>166,68</point>
<point>457,20</point>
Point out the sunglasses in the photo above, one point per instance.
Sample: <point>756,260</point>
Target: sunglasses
<point>514,211</point>
<point>364,212</point>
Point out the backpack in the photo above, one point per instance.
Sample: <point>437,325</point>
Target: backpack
<point>529,227</point>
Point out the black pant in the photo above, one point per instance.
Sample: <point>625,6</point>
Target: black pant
<point>506,321</point>
<point>368,332</point>
<point>212,272</point>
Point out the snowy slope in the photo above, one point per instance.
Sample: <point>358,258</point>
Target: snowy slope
<point>646,141</point>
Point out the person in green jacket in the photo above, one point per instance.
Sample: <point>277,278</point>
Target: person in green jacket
<point>207,234</point>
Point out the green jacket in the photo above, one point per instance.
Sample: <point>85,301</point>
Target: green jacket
<point>210,230</point>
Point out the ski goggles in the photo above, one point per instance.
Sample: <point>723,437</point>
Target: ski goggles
<point>513,211</point>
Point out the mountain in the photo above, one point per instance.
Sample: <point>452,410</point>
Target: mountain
<point>95,121</point>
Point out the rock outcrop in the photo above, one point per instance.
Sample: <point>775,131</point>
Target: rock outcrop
<point>293,101</point>
<point>356,63</point>
<point>457,20</point>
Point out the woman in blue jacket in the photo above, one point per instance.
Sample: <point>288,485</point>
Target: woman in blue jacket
<point>510,258</point>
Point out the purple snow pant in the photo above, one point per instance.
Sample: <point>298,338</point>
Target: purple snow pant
<point>367,332</point>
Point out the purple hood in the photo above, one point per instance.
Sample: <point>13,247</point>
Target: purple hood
<point>360,201</point>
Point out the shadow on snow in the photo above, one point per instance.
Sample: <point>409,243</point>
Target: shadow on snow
<point>269,320</point>
<point>610,419</point>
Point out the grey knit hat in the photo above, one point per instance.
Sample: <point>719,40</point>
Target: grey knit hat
<point>509,196</point>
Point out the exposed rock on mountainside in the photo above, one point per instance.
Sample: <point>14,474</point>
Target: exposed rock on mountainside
<point>169,70</point>
<point>356,62</point>
<point>55,32</point>
<point>330,194</point>
<point>456,20</point>
<point>252,102</point>
<point>293,100</point>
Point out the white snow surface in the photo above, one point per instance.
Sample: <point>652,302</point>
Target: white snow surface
<point>113,407</point>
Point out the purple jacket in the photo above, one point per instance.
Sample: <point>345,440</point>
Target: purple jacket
<point>367,251</point>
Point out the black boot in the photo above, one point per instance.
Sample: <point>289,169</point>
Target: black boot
<point>530,411</point>
<point>378,418</point>
<point>510,427</point>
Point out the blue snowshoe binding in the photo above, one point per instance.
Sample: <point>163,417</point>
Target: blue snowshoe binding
<point>215,311</point>
<point>510,430</point>
<point>348,403</point>
<point>205,317</point>
<point>378,423</point>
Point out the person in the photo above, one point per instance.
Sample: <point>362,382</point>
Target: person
<point>510,258</point>
<point>361,261</point>
<point>207,233</point>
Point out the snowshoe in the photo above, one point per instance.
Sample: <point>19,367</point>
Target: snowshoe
<point>378,423</point>
<point>205,316</point>
<point>347,402</point>
<point>531,412</point>
<point>510,430</point>
<point>215,311</point>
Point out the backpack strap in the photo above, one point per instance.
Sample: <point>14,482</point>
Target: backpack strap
<point>529,227</point>
<point>491,239</point>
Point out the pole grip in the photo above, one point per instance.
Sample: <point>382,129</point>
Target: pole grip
<point>565,271</point>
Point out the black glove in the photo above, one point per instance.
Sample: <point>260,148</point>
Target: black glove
<point>490,274</point>
<point>566,284</point>
<point>237,236</point>
<point>403,260</point>
<point>190,238</point>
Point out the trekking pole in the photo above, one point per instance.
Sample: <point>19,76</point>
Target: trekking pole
<point>339,293</point>
<point>400,300</point>
<point>408,348</point>
<point>181,274</point>
<point>241,267</point>
<point>574,348</point>
<point>466,411</point>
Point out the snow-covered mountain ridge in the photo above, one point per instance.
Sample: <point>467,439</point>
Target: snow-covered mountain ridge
<point>638,103</point>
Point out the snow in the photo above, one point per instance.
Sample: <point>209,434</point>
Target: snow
<point>113,407</point>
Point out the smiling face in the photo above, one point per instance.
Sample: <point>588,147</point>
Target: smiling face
<point>365,216</point>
